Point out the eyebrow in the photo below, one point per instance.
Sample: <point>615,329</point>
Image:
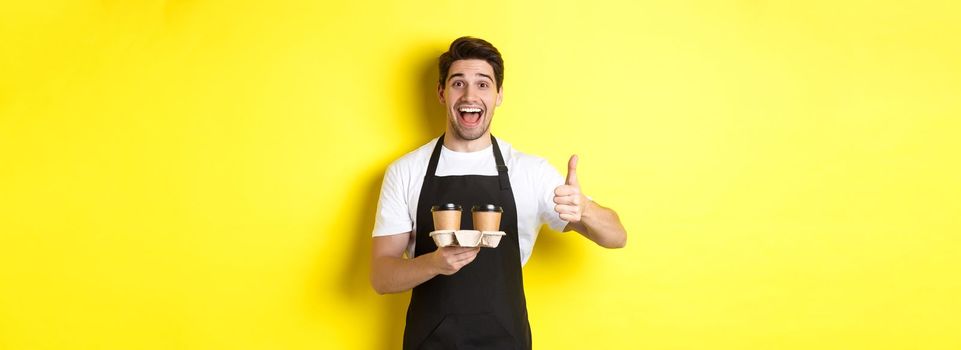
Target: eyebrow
<point>452,76</point>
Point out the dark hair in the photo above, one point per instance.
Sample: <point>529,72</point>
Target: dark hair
<point>465,48</point>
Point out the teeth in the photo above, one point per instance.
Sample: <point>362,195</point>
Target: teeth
<point>470,110</point>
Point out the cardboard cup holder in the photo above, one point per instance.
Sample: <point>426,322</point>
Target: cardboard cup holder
<point>486,218</point>
<point>491,238</point>
<point>443,238</point>
<point>467,238</point>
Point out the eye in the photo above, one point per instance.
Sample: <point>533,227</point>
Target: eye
<point>457,83</point>
<point>483,84</point>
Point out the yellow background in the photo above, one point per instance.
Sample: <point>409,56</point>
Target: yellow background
<point>203,174</point>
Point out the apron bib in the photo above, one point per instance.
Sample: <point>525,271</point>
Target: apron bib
<point>482,306</point>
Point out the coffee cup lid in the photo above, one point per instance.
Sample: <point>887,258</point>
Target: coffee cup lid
<point>488,207</point>
<point>446,206</point>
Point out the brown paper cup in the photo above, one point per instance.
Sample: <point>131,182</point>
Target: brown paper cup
<point>446,216</point>
<point>486,217</point>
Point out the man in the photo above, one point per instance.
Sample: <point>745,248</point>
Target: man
<point>473,297</point>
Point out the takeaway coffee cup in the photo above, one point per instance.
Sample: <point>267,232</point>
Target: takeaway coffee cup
<point>446,216</point>
<point>486,217</point>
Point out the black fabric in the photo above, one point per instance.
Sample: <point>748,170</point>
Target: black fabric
<point>482,306</point>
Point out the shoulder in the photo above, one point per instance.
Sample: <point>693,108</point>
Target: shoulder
<point>526,162</point>
<point>413,160</point>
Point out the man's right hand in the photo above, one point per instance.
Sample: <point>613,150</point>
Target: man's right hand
<point>390,272</point>
<point>448,260</point>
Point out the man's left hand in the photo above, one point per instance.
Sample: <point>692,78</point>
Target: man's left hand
<point>568,197</point>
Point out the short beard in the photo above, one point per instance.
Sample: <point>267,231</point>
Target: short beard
<point>465,137</point>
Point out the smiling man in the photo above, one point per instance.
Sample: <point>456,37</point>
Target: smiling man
<point>473,298</point>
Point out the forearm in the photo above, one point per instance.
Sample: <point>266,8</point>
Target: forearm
<point>601,225</point>
<point>394,275</point>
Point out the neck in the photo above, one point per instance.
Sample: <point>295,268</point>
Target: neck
<point>456,144</point>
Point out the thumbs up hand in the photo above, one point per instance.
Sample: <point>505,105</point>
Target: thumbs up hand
<point>568,197</point>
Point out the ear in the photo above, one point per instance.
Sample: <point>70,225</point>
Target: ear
<point>440,93</point>
<point>500,96</point>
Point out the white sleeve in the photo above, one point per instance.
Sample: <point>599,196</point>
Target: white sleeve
<point>549,180</point>
<point>393,216</point>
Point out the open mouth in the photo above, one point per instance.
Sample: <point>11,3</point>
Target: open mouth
<point>470,116</point>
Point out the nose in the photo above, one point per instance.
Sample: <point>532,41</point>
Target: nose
<point>469,93</point>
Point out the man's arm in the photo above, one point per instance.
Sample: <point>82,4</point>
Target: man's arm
<point>601,225</point>
<point>597,223</point>
<point>390,272</point>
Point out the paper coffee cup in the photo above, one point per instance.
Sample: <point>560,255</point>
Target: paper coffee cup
<point>446,216</point>
<point>487,217</point>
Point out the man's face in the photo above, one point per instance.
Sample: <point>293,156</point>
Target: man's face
<point>470,95</point>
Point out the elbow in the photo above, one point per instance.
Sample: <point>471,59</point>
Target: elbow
<point>378,288</point>
<point>381,289</point>
<point>614,245</point>
<point>376,279</point>
<point>617,243</point>
<point>621,243</point>
<point>382,285</point>
<point>378,285</point>
<point>616,236</point>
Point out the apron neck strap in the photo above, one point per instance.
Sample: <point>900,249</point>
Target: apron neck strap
<point>498,159</point>
<point>501,167</point>
<point>434,158</point>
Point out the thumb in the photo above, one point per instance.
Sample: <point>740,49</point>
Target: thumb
<point>572,171</point>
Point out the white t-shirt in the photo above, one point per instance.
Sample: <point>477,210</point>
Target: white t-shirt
<point>533,181</point>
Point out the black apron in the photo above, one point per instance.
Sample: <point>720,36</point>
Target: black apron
<point>482,306</point>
